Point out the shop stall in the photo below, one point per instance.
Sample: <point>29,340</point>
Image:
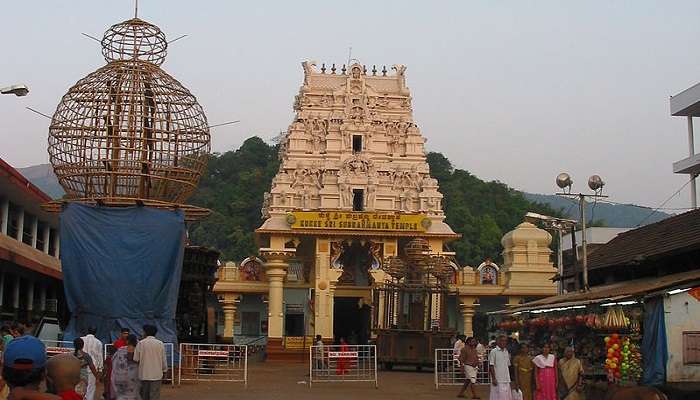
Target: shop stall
<point>614,329</point>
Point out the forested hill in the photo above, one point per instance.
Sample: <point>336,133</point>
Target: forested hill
<point>235,181</point>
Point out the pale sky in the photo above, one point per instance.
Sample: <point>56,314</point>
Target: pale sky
<point>515,91</point>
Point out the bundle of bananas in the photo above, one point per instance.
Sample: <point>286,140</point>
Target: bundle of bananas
<point>615,319</point>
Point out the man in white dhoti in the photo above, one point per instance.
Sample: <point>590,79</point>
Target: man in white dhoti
<point>93,346</point>
<point>499,371</point>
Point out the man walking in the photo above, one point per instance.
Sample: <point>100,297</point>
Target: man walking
<point>150,354</point>
<point>93,346</point>
<point>499,371</point>
<point>469,361</point>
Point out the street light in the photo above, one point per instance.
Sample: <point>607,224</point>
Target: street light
<point>17,90</point>
<point>595,183</point>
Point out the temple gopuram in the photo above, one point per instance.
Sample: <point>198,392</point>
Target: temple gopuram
<point>352,192</point>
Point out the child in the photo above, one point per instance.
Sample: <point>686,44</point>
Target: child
<point>63,374</point>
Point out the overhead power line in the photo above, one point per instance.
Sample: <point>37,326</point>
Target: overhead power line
<point>665,201</point>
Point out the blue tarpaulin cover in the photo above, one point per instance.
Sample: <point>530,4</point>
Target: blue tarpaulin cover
<point>121,268</point>
<point>654,350</point>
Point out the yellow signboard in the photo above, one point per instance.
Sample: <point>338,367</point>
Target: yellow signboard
<point>364,221</point>
<point>298,342</point>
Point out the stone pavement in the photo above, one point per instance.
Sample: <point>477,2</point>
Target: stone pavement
<point>272,381</point>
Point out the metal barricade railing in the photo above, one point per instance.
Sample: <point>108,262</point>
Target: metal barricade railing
<point>343,363</point>
<point>54,347</point>
<point>169,375</point>
<point>448,371</point>
<point>213,362</point>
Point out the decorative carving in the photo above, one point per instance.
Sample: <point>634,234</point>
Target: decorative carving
<point>309,68</point>
<point>358,165</point>
<point>371,194</point>
<point>336,253</point>
<point>317,130</point>
<point>344,192</point>
<point>319,167</point>
<point>251,269</point>
<point>375,250</point>
<point>265,209</point>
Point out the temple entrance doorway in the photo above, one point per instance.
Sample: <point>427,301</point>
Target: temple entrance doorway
<point>351,320</point>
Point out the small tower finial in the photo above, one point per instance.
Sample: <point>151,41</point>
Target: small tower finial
<point>136,8</point>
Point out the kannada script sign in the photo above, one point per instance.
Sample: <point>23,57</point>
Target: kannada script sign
<point>364,221</point>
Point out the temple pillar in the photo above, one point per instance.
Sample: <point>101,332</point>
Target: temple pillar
<point>378,277</point>
<point>468,309</point>
<point>229,305</point>
<point>326,279</point>
<point>276,270</point>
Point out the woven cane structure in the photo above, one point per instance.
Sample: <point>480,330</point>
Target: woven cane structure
<point>129,132</point>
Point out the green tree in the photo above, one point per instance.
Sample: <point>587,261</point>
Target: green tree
<point>234,183</point>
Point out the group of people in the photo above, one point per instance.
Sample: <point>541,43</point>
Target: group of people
<point>542,377</point>
<point>133,370</point>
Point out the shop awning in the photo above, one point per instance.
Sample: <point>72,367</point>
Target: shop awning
<point>616,292</point>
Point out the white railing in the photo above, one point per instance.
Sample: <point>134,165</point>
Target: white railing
<point>54,347</point>
<point>169,375</point>
<point>343,363</point>
<point>448,372</point>
<point>213,362</point>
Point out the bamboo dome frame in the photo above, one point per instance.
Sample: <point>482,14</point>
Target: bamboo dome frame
<point>129,133</point>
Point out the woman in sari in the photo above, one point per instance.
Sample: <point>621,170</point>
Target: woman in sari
<point>86,366</point>
<point>572,375</point>
<point>546,375</point>
<point>125,372</point>
<point>522,363</point>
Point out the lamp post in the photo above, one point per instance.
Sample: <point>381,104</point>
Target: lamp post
<point>17,90</point>
<point>595,183</point>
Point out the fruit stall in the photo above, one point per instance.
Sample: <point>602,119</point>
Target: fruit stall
<point>606,337</point>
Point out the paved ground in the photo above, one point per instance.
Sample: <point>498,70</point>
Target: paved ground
<point>271,381</point>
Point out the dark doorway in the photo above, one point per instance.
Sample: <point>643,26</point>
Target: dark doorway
<point>356,143</point>
<point>250,323</point>
<point>358,199</point>
<point>294,325</point>
<point>350,320</point>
